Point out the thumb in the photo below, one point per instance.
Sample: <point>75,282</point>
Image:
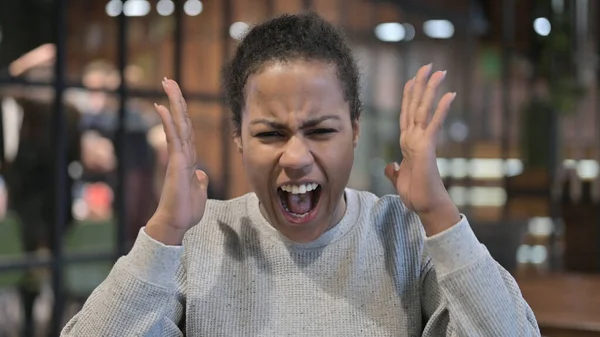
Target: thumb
<point>202,179</point>
<point>391,171</point>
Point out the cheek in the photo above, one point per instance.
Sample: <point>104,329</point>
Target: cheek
<point>337,161</point>
<point>344,161</point>
<point>256,164</point>
<point>343,152</point>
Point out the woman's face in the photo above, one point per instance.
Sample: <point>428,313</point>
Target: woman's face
<point>297,143</point>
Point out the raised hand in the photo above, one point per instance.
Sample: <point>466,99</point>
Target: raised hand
<point>183,196</point>
<point>417,178</point>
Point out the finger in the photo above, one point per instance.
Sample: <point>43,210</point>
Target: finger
<point>440,113</point>
<point>173,139</point>
<point>417,92</point>
<point>178,106</point>
<point>405,101</point>
<point>423,113</point>
<point>202,179</point>
<point>391,171</point>
<point>173,91</point>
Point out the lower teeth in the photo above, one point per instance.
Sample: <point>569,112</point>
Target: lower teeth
<point>295,214</point>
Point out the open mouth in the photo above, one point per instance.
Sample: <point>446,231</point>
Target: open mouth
<point>299,201</point>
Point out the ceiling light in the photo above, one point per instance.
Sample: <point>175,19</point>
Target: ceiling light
<point>136,8</point>
<point>238,30</point>
<point>165,7</point>
<point>438,29</point>
<point>114,7</point>
<point>542,26</point>
<point>390,32</point>
<point>193,7</point>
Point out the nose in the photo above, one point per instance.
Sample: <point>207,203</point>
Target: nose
<point>296,155</point>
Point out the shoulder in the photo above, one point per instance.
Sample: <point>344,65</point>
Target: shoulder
<point>386,206</point>
<point>396,228</point>
<point>221,216</point>
<point>228,209</point>
<point>389,216</point>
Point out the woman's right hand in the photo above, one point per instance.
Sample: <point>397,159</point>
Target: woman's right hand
<point>183,197</point>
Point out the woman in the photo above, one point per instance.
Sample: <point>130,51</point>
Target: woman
<point>303,254</point>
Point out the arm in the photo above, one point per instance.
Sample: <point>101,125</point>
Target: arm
<point>142,296</point>
<point>465,292</point>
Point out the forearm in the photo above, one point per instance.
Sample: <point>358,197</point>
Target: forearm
<point>139,297</point>
<point>481,297</point>
<point>163,233</point>
<point>484,299</point>
<point>440,218</point>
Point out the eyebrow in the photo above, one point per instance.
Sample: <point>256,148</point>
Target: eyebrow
<point>305,125</point>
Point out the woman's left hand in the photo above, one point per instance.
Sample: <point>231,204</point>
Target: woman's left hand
<point>417,178</point>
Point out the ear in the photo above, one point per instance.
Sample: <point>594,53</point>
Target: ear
<point>238,141</point>
<point>355,132</point>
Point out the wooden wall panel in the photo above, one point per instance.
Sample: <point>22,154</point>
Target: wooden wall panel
<point>287,6</point>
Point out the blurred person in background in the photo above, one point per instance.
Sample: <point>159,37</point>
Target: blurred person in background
<point>29,163</point>
<point>99,125</point>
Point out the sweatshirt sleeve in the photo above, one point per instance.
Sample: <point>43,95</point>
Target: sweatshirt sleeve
<point>466,292</point>
<point>142,295</point>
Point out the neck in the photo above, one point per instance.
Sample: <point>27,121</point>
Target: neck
<point>338,213</point>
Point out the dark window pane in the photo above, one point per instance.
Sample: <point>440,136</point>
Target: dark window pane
<point>25,25</point>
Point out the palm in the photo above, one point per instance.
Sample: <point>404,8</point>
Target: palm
<point>414,168</point>
<point>417,179</point>
<point>183,197</point>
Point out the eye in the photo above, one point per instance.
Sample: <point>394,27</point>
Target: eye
<point>321,132</point>
<point>270,134</point>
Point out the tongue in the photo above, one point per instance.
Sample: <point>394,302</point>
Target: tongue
<point>299,203</point>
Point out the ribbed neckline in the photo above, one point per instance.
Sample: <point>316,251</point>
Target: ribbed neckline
<point>345,225</point>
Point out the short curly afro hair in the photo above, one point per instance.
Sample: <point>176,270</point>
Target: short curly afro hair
<point>305,36</point>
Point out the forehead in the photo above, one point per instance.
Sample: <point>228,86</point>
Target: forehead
<point>300,89</point>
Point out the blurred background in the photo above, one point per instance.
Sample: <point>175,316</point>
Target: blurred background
<point>83,153</point>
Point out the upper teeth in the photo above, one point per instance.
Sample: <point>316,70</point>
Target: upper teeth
<point>299,189</point>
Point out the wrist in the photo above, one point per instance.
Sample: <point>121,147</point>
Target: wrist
<point>164,234</point>
<point>439,218</point>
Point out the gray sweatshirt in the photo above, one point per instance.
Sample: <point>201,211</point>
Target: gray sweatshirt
<point>373,274</point>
